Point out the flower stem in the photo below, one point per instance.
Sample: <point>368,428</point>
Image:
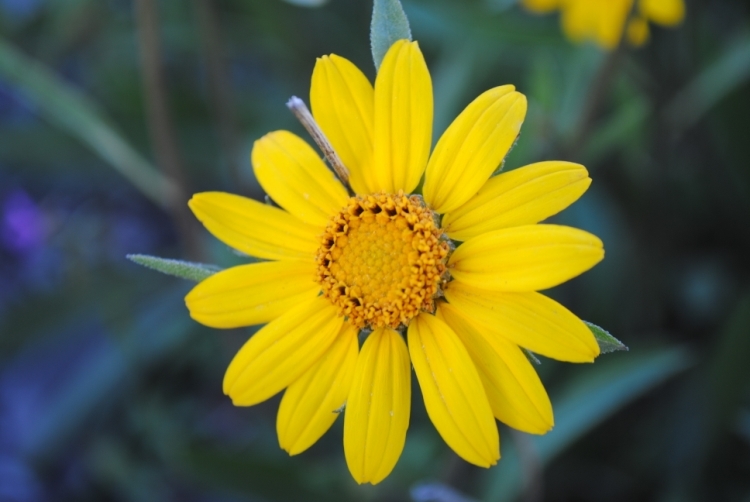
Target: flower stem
<point>163,134</point>
<point>219,87</point>
<point>599,89</point>
<point>299,109</point>
<point>597,93</point>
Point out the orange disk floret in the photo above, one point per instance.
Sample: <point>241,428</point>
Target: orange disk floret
<point>381,260</point>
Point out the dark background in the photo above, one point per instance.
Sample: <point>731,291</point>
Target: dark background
<point>108,391</point>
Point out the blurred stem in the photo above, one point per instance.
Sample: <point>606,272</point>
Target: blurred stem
<point>160,123</point>
<point>531,467</point>
<point>218,85</point>
<point>454,471</point>
<point>598,91</point>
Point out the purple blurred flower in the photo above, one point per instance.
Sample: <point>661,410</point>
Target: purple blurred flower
<point>20,10</point>
<point>18,482</point>
<point>15,108</point>
<point>23,226</point>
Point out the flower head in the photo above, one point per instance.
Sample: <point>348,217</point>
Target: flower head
<point>604,21</point>
<point>453,271</point>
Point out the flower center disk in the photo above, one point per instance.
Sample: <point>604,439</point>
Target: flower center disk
<point>382,259</point>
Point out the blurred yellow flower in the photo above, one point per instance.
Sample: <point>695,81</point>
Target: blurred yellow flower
<point>603,21</point>
<point>456,270</point>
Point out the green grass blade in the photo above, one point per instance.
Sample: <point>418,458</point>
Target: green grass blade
<point>68,109</point>
<point>729,71</point>
<point>94,383</point>
<point>583,405</point>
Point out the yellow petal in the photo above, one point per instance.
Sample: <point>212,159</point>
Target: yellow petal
<point>377,413</point>
<point>516,395</point>
<point>254,228</point>
<point>473,147</point>
<point>611,22</point>
<point>520,197</point>
<point>403,119</point>
<point>664,12</point>
<point>251,294</point>
<point>453,392</point>
<point>281,352</point>
<point>602,22</point>
<point>296,178</point>
<point>541,6</point>
<point>526,258</point>
<point>312,403</point>
<point>342,101</point>
<point>530,320</point>
<point>638,31</point>
<point>578,21</point>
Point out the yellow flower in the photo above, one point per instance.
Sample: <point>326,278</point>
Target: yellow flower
<point>603,21</point>
<point>456,269</point>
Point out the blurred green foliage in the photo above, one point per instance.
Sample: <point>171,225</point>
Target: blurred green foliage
<point>108,391</point>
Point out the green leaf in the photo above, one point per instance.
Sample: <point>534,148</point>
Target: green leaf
<point>618,129</point>
<point>729,71</point>
<point>250,471</point>
<point>65,107</point>
<point>584,404</point>
<point>729,373</point>
<point>389,24</point>
<point>183,269</point>
<point>92,383</point>
<point>607,343</point>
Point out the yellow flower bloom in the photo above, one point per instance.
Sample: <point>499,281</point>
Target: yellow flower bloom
<point>457,269</point>
<point>603,21</point>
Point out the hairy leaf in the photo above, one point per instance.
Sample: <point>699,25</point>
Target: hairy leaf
<point>389,24</point>
<point>607,343</point>
<point>183,269</point>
